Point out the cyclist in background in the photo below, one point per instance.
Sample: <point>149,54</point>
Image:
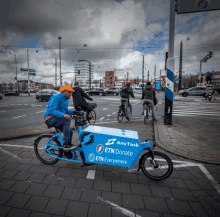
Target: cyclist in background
<point>79,99</point>
<point>148,95</point>
<point>125,93</point>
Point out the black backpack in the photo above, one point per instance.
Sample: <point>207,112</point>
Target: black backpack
<point>125,90</point>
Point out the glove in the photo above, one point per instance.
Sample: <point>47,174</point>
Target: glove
<point>91,99</point>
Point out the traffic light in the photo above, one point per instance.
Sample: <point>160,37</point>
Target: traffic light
<point>210,54</point>
<point>78,72</point>
<point>166,57</point>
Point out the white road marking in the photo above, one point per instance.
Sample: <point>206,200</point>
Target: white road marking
<point>100,101</point>
<point>9,153</point>
<point>18,104</point>
<point>113,113</point>
<point>101,118</point>
<point>105,109</point>
<point>19,116</point>
<point>21,146</point>
<point>2,111</point>
<point>120,209</point>
<point>108,115</point>
<point>91,174</point>
<point>40,111</point>
<point>25,104</point>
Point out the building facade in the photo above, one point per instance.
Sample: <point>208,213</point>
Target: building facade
<point>83,77</point>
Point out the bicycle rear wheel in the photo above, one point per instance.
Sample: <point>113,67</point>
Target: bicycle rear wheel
<point>145,115</point>
<point>120,115</point>
<point>162,168</point>
<point>44,156</point>
<point>92,118</point>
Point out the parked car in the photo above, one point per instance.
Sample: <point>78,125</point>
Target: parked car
<point>98,91</point>
<point>46,94</point>
<point>138,90</point>
<point>12,93</point>
<point>1,96</point>
<point>194,91</point>
<point>113,91</point>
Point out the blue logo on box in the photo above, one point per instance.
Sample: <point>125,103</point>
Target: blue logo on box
<point>87,138</point>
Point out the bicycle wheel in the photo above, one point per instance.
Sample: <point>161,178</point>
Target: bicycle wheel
<point>42,155</point>
<point>92,118</point>
<point>162,169</point>
<point>145,115</point>
<point>120,115</point>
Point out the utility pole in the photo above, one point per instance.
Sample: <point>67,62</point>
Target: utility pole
<point>143,74</point>
<point>100,83</point>
<point>127,76</point>
<point>170,69</point>
<point>180,68</point>
<point>28,74</point>
<point>148,76</point>
<point>55,73</point>
<point>60,60</point>
<point>160,79</point>
<point>155,75</point>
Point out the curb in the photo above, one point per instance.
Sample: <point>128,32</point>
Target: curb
<point>158,143</point>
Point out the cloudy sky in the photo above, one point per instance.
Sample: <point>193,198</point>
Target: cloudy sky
<point>117,34</point>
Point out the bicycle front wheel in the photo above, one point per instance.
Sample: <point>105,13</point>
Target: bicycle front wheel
<point>160,169</point>
<point>145,115</point>
<point>44,156</point>
<point>120,115</point>
<point>92,118</point>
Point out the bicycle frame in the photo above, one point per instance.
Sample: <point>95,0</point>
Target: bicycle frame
<point>102,145</point>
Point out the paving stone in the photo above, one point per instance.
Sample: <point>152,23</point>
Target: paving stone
<point>76,208</point>
<point>140,189</point>
<point>18,200</point>
<point>111,176</point>
<point>119,213</point>
<point>99,210</point>
<point>145,180</point>
<point>155,204</point>
<point>160,191</point>
<point>214,194</point>
<point>20,186</point>
<point>5,184</point>
<point>180,183</point>
<point>146,213</point>
<point>113,197</point>
<point>129,178</point>
<point>53,191</point>
<point>8,174</point>
<point>205,184</point>
<point>199,193</point>
<point>52,179</point>
<point>5,196</point>
<point>43,169</point>
<point>11,166</point>
<point>56,206</point>
<point>198,209</point>
<point>25,160</point>
<point>186,175</point>
<point>79,173</point>
<point>3,163</point>
<point>15,212</point>
<point>132,201</point>
<point>90,196</point>
<point>64,172</point>
<point>169,182</point>
<point>213,203</point>
<point>2,171</point>
<point>71,193</point>
<point>4,210</point>
<point>35,161</point>
<point>4,158</point>
<point>22,176</point>
<point>36,189</point>
<point>179,207</point>
<point>102,167</point>
<point>121,187</point>
<point>67,181</point>
<point>191,185</point>
<point>170,215</point>
<point>182,194</point>
<point>102,185</point>
<point>23,167</point>
<point>99,175</point>
<point>39,214</point>
<point>36,177</point>
<point>37,203</point>
<point>84,183</point>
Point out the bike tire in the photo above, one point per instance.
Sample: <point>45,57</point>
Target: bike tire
<point>92,115</point>
<point>158,157</point>
<point>42,140</point>
<point>120,115</point>
<point>145,116</point>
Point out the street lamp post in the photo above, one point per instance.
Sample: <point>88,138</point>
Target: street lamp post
<point>28,73</point>
<point>60,59</point>
<point>16,70</point>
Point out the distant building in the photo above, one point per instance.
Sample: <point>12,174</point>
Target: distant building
<point>109,79</point>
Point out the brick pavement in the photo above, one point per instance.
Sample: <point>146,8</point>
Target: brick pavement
<point>30,188</point>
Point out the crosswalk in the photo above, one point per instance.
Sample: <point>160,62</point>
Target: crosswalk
<point>195,109</point>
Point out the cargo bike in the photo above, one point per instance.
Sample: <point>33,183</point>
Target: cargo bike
<point>103,145</point>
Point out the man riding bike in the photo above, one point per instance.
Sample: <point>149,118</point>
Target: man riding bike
<point>125,93</point>
<point>148,95</point>
<point>78,99</point>
<point>57,115</point>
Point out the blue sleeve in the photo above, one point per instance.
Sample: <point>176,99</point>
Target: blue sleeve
<point>69,112</point>
<point>54,109</point>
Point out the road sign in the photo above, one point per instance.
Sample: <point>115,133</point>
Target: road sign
<point>191,6</point>
<point>177,80</point>
<point>32,70</point>
<point>32,73</point>
<point>23,69</point>
<point>158,85</point>
<point>15,78</point>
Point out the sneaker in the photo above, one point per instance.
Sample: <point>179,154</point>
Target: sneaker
<point>68,146</point>
<point>128,119</point>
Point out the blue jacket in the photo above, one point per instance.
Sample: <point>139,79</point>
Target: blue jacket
<point>58,106</point>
